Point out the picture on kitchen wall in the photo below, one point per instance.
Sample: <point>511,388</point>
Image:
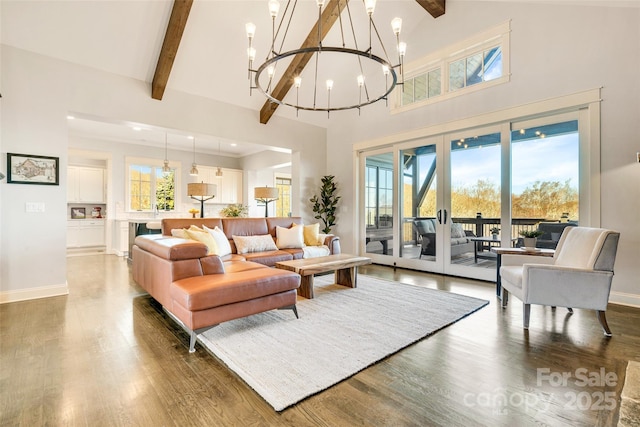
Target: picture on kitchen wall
<point>32,169</point>
<point>78,213</point>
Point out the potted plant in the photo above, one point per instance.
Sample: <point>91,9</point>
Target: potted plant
<point>325,206</point>
<point>530,237</point>
<point>234,210</point>
<point>494,232</point>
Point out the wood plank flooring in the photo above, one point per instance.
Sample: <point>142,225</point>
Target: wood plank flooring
<point>107,355</point>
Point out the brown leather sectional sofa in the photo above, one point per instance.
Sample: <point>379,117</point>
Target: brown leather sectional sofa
<point>201,290</point>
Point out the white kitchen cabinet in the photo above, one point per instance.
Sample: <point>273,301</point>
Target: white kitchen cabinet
<point>85,233</point>
<point>230,190</point>
<point>85,185</point>
<point>228,187</point>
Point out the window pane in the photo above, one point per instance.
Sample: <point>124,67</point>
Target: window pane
<point>493,64</point>
<point>283,204</point>
<point>407,92</point>
<point>545,194</point>
<point>456,75</point>
<point>435,84</point>
<point>420,87</point>
<point>165,188</point>
<point>474,69</point>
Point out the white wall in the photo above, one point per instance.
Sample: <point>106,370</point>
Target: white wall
<point>37,94</point>
<point>556,50</point>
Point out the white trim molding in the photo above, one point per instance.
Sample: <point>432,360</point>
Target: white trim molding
<point>34,293</point>
<point>622,298</point>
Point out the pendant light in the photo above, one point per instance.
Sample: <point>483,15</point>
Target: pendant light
<point>194,167</point>
<point>165,168</point>
<point>219,171</point>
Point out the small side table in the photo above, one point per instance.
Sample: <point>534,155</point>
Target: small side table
<point>515,251</point>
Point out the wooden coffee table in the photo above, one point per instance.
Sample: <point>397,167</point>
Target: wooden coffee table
<point>345,266</point>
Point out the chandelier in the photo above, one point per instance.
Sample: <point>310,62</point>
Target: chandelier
<point>352,71</point>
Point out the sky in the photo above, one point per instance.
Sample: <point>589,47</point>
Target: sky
<point>546,159</point>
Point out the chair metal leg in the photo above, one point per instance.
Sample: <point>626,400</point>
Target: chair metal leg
<point>603,322</point>
<point>526,312</point>
<point>505,297</point>
<point>570,310</point>
<point>192,342</point>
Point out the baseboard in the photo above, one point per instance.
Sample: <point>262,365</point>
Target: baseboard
<point>632,300</point>
<point>33,293</point>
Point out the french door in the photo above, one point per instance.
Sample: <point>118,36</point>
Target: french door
<point>441,203</point>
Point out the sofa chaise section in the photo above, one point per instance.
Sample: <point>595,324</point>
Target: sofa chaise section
<point>200,290</point>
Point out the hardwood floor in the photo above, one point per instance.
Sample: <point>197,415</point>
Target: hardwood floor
<point>107,355</point>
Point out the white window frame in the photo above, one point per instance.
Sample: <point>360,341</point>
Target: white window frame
<point>152,163</point>
<point>493,37</point>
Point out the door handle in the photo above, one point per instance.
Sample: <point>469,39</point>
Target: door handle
<point>439,216</point>
<point>445,216</point>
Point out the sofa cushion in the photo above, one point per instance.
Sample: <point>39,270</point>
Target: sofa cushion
<point>459,240</point>
<point>289,237</point>
<point>269,257</point>
<point>171,248</point>
<point>315,251</point>
<point>205,292</point>
<point>224,248</point>
<point>249,244</point>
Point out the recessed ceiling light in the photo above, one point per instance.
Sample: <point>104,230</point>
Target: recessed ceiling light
<point>234,144</point>
<point>70,117</point>
<point>190,137</point>
<point>137,128</point>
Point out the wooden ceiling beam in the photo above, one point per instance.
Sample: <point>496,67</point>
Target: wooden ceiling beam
<point>434,7</point>
<point>172,37</point>
<point>329,16</point>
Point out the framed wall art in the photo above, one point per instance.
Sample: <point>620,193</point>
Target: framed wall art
<point>78,213</point>
<point>32,169</point>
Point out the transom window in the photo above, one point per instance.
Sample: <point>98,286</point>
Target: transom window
<point>472,64</point>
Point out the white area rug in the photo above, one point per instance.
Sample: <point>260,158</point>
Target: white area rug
<point>340,332</point>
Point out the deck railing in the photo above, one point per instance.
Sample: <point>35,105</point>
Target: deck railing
<point>478,226</point>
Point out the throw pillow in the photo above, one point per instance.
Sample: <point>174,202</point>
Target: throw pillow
<point>204,237</point>
<point>246,244</point>
<point>224,247</point>
<point>180,232</point>
<point>289,237</point>
<point>321,238</point>
<point>311,233</point>
<point>457,231</point>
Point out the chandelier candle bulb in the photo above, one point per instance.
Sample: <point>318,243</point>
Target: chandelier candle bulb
<point>251,31</point>
<point>370,6</point>
<point>274,7</point>
<point>396,25</point>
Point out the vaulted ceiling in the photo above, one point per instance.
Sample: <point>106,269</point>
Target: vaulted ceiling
<point>197,47</point>
<point>331,12</point>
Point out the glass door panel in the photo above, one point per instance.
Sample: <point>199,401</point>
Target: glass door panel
<point>474,203</point>
<point>418,232</point>
<point>378,204</point>
<point>545,177</point>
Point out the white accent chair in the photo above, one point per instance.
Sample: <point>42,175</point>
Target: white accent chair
<point>578,276</point>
